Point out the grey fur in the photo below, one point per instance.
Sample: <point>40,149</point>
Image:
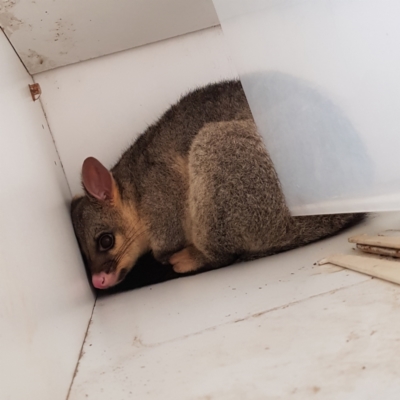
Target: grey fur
<point>200,179</point>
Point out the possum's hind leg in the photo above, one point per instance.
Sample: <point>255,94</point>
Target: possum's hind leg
<point>235,202</point>
<point>191,259</point>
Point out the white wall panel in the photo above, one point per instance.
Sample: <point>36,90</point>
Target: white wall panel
<point>51,33</point>
<point>45,300</point>
<point>97,108</point>
<point>322,78</point>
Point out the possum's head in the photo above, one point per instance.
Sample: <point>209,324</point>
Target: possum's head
<point>109,231</point>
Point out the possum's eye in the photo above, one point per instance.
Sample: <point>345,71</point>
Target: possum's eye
<point>105,241</point>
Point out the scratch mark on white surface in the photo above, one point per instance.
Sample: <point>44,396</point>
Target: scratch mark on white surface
<point>138,342</point>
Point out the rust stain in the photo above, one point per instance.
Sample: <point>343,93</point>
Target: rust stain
<point>32,60</point>
<point>35,90</point>
<point>316,389</point>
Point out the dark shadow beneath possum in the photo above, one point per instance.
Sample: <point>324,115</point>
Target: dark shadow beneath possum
<point>148,271</point>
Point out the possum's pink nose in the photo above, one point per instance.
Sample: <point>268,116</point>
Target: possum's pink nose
<point>103,280</point>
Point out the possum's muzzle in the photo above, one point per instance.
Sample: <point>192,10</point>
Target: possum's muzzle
<point>104,280</point>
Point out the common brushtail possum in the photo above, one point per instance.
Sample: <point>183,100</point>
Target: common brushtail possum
<point>197,189</point>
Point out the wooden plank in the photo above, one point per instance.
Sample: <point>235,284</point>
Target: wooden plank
<point>383,251</point>
<point>380,241</point>
<point>387,270</point>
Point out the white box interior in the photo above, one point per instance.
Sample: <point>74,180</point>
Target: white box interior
<point>321,78</point>
<point>48,34</point>
<point>46,301</point>
<point>275,328</point>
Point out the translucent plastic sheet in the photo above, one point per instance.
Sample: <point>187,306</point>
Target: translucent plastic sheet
<point>323,81</point>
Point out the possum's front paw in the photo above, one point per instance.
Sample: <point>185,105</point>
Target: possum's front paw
<point>185,261</point>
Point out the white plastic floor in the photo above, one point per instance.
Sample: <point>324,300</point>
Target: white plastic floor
<point>277,328</point>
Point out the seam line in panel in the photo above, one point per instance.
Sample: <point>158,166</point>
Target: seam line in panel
<point>81,351</point>
<point>54,141</point>
<point>15,51</point>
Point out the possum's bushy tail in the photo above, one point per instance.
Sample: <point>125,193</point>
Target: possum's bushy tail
<point>310,228</point>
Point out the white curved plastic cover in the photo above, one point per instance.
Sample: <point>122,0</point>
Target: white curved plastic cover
<point>323,81</point>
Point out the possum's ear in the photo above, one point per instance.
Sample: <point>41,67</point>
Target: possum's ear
<point>98,181</point>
